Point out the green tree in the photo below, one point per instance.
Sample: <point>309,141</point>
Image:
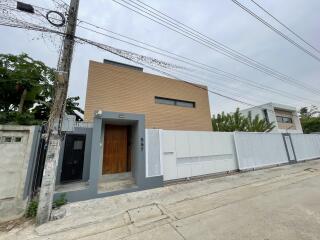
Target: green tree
<point>237,122</point>
<point>27,89</point>
<point>310,119</point>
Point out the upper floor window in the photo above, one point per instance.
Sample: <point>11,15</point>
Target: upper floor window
<point>265,115</point>
<point>175,102</point>
<point>284,119</point>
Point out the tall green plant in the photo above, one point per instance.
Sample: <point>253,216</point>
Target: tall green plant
<point>310,119</point>
<point>237,122</point>
<point>27,90</point>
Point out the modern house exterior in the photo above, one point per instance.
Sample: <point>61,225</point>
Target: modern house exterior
<point>284,117</point>
<point>106,155</point>
<point>166,103</point>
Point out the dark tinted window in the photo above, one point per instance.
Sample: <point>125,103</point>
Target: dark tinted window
<point>287,120</point>
<point>175,102</point>
<point>284,119</point>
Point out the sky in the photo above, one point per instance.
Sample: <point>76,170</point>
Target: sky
<point>220,20</point>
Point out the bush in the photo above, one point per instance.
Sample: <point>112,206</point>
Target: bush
<point>31,211</point>
<point>17,118</point>
<point>60,201</point>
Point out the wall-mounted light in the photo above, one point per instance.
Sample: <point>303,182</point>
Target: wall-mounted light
<point>99,114</point>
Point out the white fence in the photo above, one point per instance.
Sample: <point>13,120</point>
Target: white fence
<point>306,146</point>
<point>259,149</point>
<point>153,153</point>
<point>184,154</point>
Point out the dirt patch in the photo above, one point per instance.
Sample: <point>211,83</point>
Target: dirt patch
<point>8,226</point>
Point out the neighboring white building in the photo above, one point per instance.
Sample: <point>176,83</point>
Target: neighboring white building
<point>284,117</point>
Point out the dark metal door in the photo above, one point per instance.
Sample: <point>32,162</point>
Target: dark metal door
<point>72,165</point>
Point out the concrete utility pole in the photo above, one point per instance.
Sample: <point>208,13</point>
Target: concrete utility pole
<point>56,115</point>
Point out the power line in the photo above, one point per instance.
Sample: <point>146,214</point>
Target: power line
<point>163,72</point>
<point>214,45</point>
<point>275,30</point>
<point>285,26</point>
<point>196,64</point>
<point>105,48</point>
<point>296,84</point>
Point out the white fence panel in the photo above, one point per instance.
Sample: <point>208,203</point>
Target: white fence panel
<point>153,154</point>
<point>259,149</point>
<point>306,146</point>
<point>191,153</point>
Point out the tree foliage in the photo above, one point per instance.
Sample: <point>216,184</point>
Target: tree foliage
<point>310,119</point>
<point>237,122</point>
<point>27,91</point>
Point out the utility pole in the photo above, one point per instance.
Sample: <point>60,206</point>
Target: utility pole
<point>56,116</point>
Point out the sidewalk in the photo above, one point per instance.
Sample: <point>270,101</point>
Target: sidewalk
<point>275,203</point>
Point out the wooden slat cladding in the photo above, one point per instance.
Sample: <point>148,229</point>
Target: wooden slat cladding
<point>115,156</point>
<point>119,89</point>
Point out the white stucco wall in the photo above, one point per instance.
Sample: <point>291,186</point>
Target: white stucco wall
<point>14,160</point>
<point>194,153</point>
<point>306,146</point>
<point>256,150</point>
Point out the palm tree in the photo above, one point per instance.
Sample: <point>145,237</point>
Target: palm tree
<point>258,125</point>
<point>237,122</point>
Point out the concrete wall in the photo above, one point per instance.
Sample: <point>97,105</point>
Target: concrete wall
<point>194,153</point>
<point>256,150</point>
<point>17,162</point>
<point>154,162</point>
<point>120,89</point>
<point>306,146</point>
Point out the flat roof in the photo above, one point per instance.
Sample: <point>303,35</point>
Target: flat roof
<point>106,61</point>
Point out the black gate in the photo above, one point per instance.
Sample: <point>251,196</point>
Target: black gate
<point>72,165</point>
<point>39,164</point>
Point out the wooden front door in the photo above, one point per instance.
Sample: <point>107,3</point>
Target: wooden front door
<point>115,152</point>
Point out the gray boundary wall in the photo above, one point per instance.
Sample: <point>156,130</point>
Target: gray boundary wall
<point>17,160</point>
<point>256,150</point>
<point>306,146</point>
<point>171,155</point>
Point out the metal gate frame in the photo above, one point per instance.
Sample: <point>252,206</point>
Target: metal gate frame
<point>287,150</point>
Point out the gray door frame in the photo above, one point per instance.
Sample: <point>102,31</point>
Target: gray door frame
<point>284,135</point>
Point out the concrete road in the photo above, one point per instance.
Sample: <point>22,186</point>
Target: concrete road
<point>276,203</point>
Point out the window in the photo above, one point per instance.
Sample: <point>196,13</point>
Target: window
<point>7,139</point>
<point>17,139</point>
<point>279,119</point>
<point>175,102</point>
<point>265,114</point>
<point>77,145</point>
<point>287,120</point>
<point>284,119</point>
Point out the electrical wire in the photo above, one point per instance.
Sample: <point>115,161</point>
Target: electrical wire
<point>276,30</point>
<point>105,48</point>
<point>286,27</point>
<point>211,67</point>
<point>229,52</point>
<point>196,64</point>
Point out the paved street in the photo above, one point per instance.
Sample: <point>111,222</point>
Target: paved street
<point>275,203</point>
